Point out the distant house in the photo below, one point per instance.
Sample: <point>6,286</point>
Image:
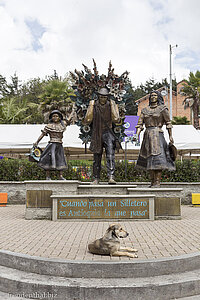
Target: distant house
<point>178,109</point>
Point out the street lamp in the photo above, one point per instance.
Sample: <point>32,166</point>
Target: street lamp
<point>170,79</point>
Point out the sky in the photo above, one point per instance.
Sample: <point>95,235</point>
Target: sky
<point>40,36</point>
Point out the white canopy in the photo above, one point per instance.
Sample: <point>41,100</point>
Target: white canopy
<point>22,136</point>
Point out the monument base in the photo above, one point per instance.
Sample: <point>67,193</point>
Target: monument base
<point>75,201</point>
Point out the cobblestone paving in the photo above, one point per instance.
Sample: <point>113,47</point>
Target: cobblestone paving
<point>69,240</point>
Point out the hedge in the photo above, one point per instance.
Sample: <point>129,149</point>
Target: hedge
<point>21,169</point>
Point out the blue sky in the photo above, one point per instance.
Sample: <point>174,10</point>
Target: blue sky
<point>40,36</point>
<point>36,31</point>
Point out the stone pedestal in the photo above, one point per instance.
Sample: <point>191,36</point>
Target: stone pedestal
<point>39,195</point>
<point>38,201</point>
<point>38,204</point>
<point>167,201</point>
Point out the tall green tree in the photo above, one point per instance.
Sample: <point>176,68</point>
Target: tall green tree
<point>11,112</point>
<point>30,96</point>
<point>10,89</point>
<point>192,99</point>
<point>31,101</point>
<point>143,90</point>
<point>18,97</point>
<point>56,95</point>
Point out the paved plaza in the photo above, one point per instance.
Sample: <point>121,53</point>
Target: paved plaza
<point>69,240</point>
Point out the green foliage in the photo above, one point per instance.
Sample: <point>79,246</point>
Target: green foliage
<point>180,121</point>
<point>12,112</point>
<point>21,170</point>
<point>31,101</point>
<point>30,92</point>
<point>187,171</point>
<point>19,102</point>
<point>56,95</point>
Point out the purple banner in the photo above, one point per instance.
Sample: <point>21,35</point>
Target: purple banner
<point>130,123</point>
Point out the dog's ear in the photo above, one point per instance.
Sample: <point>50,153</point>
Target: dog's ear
<point>112,227</point>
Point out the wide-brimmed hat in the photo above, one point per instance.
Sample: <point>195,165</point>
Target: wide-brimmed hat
<point>56,112</point>
<point>103,92</point>
<point>173,151</point>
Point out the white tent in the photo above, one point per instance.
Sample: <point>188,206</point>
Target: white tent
<point>19,138</point>
<point>22,136</point>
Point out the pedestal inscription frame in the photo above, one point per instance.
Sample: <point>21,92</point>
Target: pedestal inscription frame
<point>102,207</point>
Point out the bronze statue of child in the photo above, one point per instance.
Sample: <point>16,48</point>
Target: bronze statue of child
<point>52,158</point>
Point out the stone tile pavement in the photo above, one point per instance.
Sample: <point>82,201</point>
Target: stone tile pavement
<point>69,240</point>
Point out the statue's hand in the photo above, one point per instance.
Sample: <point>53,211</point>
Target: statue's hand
<point>92,102</point>
<point>69,120</point>
<point>171,140</point>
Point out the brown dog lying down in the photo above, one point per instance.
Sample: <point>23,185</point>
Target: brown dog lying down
<point>109,244</point>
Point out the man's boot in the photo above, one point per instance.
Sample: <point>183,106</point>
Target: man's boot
<point>111,180</point>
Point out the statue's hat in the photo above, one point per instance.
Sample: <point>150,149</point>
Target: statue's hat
<point>103,92</point>
<point>56,112</point>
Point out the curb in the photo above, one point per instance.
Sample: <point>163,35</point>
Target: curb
<point>90,269</point>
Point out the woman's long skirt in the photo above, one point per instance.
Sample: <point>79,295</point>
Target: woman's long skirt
<point>161,161</point>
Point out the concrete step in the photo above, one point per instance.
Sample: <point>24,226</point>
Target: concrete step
<point>197,297</point>
<point>93,269</point>
<point>61,288</point>
<point>104,189</point>
<point>42,278</point>
<point>158,192</point>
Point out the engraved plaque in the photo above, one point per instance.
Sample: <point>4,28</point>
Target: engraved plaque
<point>103,208</point>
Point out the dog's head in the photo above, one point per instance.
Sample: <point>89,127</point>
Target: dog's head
<point>117,231</point>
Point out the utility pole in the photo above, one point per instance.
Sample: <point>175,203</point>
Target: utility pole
<point>170,79</point>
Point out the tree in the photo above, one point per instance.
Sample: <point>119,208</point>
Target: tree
<point>11,89</point>
<point>180,121</point>
<point>11,112</point>
<point>151,85</point>
<point>143,90</point>
<point>56,95</point>
<point>191,90</point>
<point>31,101</point>
<point>15,96</point>
<point>131,106</point>
<point>30,96</point>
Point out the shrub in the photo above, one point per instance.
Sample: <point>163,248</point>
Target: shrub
<point>21,169</point>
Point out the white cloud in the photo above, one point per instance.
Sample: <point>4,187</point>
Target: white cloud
<point>134,34</point>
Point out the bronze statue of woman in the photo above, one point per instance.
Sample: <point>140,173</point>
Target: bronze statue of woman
<point>154,154</point>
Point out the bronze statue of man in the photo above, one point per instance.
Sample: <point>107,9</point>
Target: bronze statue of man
<point>154,154</point>
<point>102,113</point>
